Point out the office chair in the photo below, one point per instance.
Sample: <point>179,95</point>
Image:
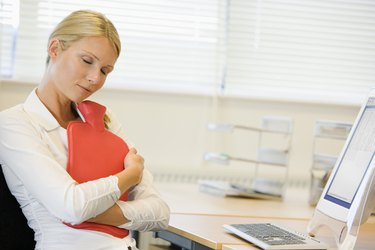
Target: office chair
<point>14,231</point>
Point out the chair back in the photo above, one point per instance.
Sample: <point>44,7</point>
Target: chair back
<point>14,231</point>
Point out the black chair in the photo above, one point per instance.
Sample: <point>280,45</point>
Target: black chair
<point>14,231</point>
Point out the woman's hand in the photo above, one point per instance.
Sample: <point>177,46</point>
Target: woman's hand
<point>134,165</point>
<point>132,174</point>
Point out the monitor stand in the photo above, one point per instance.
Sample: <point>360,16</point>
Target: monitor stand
<point>346,233</point>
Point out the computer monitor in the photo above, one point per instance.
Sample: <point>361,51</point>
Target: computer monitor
<point>348,197</point>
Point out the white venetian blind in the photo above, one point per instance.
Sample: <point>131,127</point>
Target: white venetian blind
<point>8,30</point>
<point>166,43</point>
<point>315,50</point>
<point>309,50</point>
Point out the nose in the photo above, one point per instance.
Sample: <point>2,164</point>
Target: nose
<point>94,76</point>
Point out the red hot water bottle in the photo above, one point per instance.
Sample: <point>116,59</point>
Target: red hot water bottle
<point>93,153</point>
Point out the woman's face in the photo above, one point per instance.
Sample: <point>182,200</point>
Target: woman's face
<point>82,69</point>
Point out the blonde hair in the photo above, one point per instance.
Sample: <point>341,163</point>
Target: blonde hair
<point>85,23</point>
<point>107,121</point>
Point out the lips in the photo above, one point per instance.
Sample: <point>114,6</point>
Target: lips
<point>85,88</point>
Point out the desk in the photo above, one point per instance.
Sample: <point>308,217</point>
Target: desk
<point>187,199</point>
<point>204,232</point>
<point>207,230</point>
<point>197,218</point>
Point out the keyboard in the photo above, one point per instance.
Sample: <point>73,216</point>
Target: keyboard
<point>272,236</point>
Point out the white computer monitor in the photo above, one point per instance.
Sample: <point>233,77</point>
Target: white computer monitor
<point>348,197</point>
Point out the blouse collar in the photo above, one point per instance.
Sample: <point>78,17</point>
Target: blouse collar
<point>40,114</point>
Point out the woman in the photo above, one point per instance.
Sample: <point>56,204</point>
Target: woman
<point>82,51</point>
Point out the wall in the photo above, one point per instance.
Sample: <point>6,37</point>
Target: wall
<point>170,129</point>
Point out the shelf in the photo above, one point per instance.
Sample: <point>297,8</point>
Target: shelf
<point>272,156</point>
<point>323,162</point>
<point>277,124</point>
<point>322,159</point>
<point>271,147</point>
<point>331,129</point>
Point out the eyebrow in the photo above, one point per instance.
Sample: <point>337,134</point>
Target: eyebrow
<point>97,58</point>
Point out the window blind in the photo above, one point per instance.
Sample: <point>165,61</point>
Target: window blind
<point>294,50</point>
<point>320,50</point>
<point>8,30</point>
<point>166,44</point>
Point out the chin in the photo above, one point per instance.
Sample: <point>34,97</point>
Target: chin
<point>78,99</point>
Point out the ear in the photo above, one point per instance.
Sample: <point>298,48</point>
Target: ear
<point>53,48</point>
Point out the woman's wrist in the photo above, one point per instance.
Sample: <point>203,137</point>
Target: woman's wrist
<point>112,216</point>
<point>128,178</point>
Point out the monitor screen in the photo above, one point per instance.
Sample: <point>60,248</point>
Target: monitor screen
<point>355,160</point>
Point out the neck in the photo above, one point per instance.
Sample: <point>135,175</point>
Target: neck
<point>60,107</point>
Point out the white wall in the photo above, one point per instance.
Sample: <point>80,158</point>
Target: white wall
<point>170,129</point>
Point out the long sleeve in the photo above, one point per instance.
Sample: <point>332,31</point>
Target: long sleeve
<point>145,209</point>
<point>34,159</point>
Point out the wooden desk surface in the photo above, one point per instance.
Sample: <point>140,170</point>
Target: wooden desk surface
<point>187,199</point>
<point>199,217</point>
<point>208,231</point>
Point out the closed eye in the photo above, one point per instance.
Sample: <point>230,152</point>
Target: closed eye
<point>106,70</point>
<point>86,61</point>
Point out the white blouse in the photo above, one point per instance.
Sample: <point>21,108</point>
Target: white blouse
<point>33,155</point>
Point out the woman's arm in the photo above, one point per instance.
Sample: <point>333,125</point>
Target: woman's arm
<point>129,177</point>
<point>113,216</point>
<point>144,211</point>
<point>34,159</point>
